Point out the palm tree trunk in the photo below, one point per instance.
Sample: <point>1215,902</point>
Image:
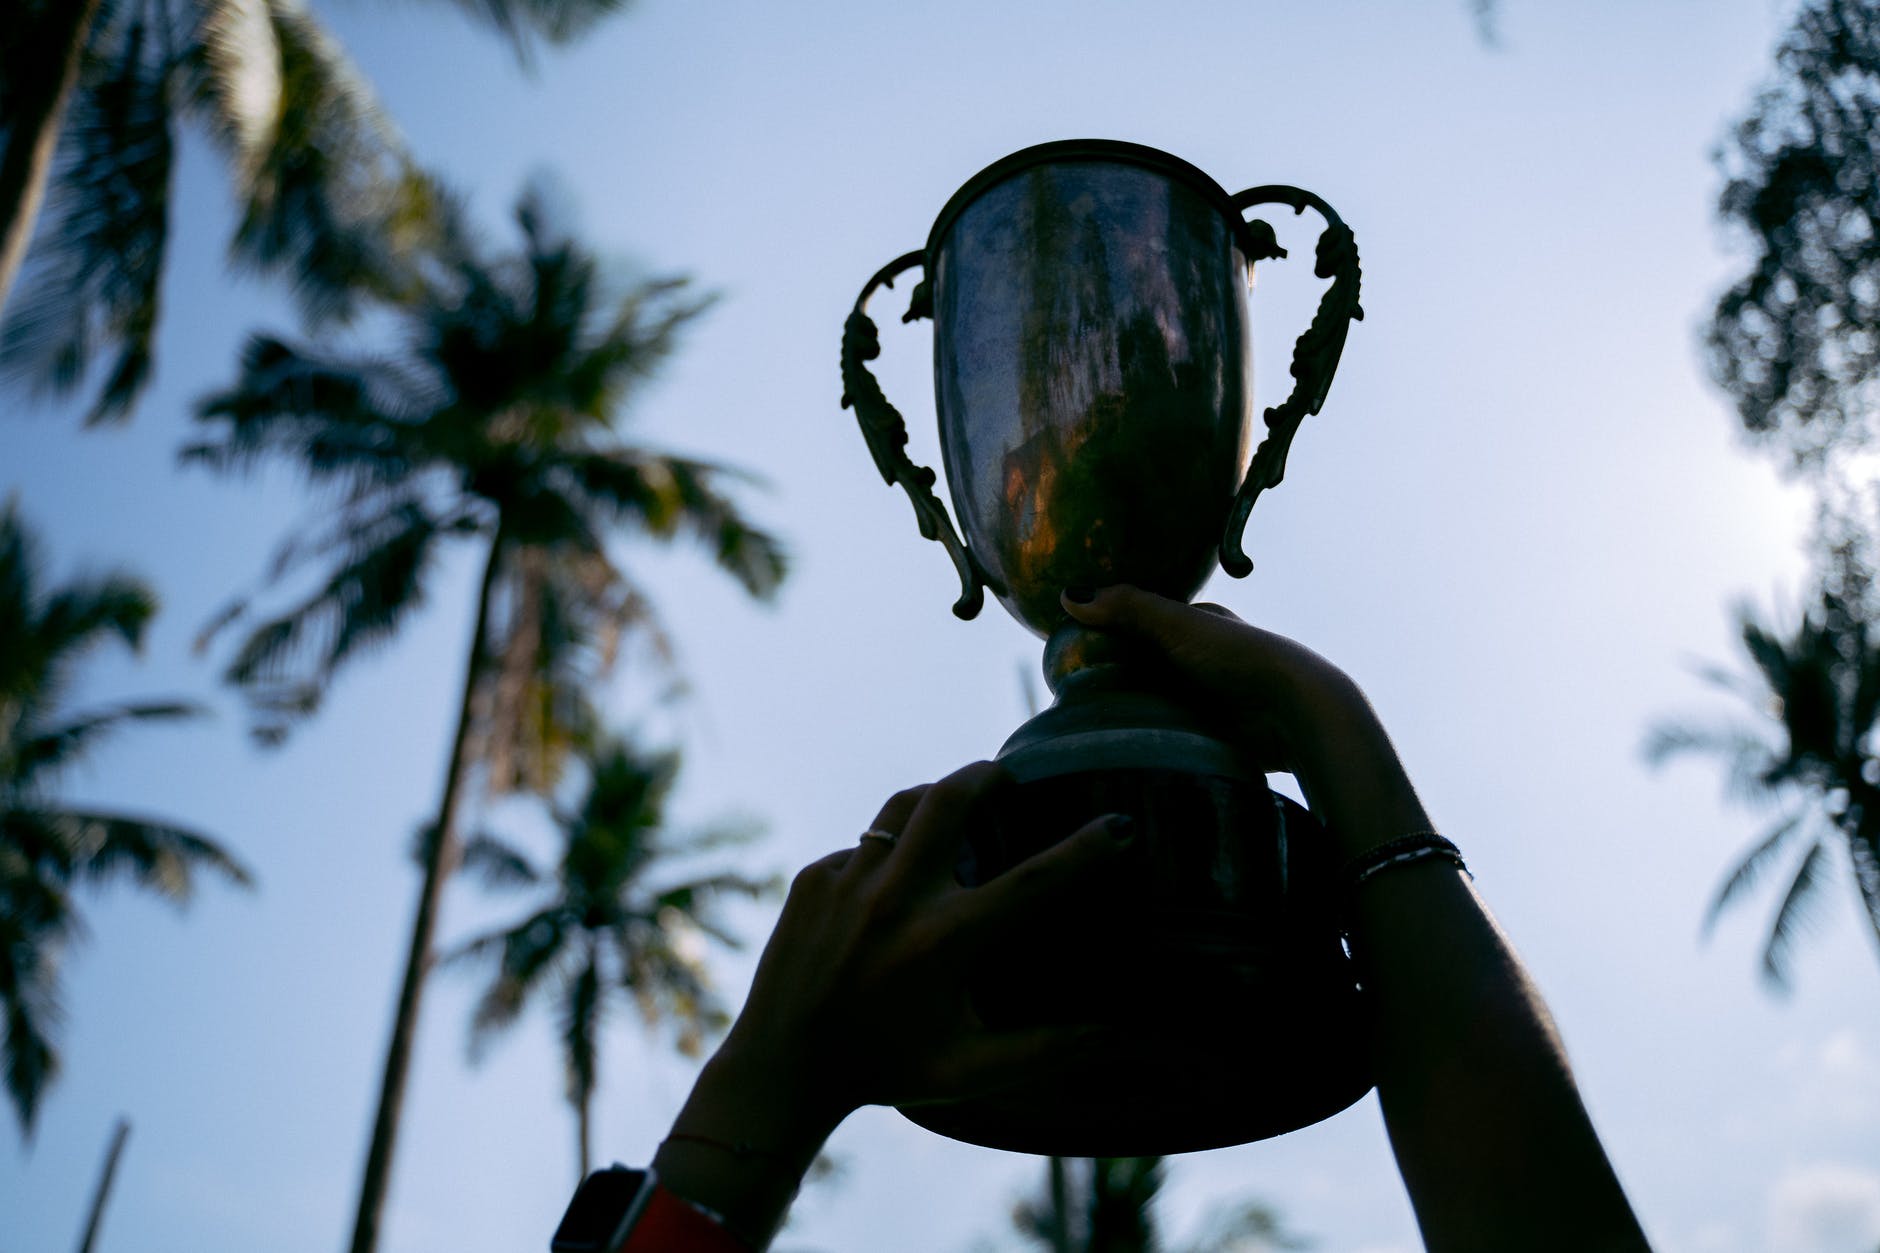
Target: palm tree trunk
<point>119,1134</point>
<point>42,84</point>
<point>583,1123</point>
<point>440,858</point>
<point>1060,1192</point>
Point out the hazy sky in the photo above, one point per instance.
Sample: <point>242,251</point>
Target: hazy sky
<point>1518,521</point>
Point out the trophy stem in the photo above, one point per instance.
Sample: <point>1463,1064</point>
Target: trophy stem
<point>1074,647</point>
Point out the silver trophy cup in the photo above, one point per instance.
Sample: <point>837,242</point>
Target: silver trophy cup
<point>1092,375</point>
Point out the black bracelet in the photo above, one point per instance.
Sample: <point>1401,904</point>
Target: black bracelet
<point>1415,847</point>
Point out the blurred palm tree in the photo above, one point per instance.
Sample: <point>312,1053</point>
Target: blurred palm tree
<point>494,423</point>
<point>1107,1205</point>
<point>1814,754</point>
<point>92,94</point>
<point>49,847</point>
<point>614,921</point>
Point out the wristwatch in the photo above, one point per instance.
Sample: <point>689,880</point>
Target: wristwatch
<point>619,1210</point>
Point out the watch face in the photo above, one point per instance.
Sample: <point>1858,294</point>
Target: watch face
<point>601,1213</point>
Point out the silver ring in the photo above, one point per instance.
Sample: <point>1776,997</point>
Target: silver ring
<point>876,833</point>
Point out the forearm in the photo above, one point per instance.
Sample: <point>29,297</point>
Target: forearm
<point>1487,1125</point>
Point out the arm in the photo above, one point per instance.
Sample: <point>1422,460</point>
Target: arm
<point>860,999</point>
<point>1494,1144</point>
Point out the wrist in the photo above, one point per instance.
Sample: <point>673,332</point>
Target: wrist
<point>763,1099</point>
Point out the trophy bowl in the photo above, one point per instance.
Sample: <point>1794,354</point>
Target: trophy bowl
<point>1092,377</point>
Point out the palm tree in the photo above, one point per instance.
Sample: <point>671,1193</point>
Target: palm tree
<point>494,423</point>
<point>614,922</point>
<point>49,847</point>
<point>92,93</point>
<point>1815,755</point>
<point>1107,1205</point>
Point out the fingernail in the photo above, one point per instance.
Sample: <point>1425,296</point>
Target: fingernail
<point>1122,828</point>
<point>1080,595</point>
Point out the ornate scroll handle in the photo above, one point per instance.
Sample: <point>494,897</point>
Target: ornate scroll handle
<point>886,432</point>
<point>1315,355</point>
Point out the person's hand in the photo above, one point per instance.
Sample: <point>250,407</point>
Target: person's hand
<point>1284,706</point>
<point>860,997</point>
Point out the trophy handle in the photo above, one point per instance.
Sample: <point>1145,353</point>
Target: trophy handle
<point>886,432</point>
<point>1315,355</point>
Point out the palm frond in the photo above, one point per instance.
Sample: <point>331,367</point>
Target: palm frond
<point>1244,1228</point>
<point>235,59</point>
<point>525,954</point>
<point>1864,853</point>
<point>92,281</point>
<point>691,897</point>
<point>31,1059</point>
<point>498,864</point>
<point>355,420</point>
<point>285,661</point>
<point>1793,916</point>
<point>327,197</point>
<point>50,749</point>
<point>1750,866</point>
<point>557,21</point>
<point>1748,759</point>
<point>669,495</point>
<point>156,856</point>
<point>83,610</point>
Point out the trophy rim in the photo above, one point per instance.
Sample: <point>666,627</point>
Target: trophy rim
<point>1096,151</point>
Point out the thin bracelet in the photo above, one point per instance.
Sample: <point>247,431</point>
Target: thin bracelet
<point>1402,851</point>
<point>740,1149</point>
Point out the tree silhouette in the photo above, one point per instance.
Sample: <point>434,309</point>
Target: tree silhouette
<point>50,848</point>
<point>1796,340</point>
<point>92,95</point>
<point>614,921</point>
<point>494,423</point>
<point>1813,755</point>
<point>1108,1205</point>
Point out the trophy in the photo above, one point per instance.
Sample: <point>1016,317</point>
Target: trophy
<point>1092,375</point>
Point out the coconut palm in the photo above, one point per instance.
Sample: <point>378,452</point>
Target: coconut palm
<point>1107,1205</point>
<point>1813,756</point>
<point>618,921</point>
<point>493,424</point>
<point>50,847</point>
<point>92,96</point>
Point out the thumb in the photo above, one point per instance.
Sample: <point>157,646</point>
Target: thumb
<point>1186,635</point>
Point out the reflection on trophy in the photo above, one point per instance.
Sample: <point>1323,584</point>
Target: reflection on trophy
<point>1092,376</point>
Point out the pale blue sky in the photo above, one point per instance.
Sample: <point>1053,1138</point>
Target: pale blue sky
<point>1518,520</point>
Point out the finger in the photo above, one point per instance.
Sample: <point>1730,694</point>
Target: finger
<point>985,914</point>
<point>1210,650</point>
<point>897,809</point>
<point>892,819</point>
<point>1136,612</point>
<point>1219,611</point>
<point>930,842</point>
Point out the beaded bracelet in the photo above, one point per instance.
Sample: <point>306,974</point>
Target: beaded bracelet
<point>1402,851</point>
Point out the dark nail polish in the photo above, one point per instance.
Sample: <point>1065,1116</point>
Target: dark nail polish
<point>1080,595</point>
<point>1122,828</point>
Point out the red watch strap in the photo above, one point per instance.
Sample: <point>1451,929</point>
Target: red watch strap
<point>669,1224</point>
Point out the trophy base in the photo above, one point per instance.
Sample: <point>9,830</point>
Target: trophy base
<point>1211,953</point>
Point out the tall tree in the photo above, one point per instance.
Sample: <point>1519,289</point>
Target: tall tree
<point>495,423</point>
<point>1796,340</point>
<point>92,95</point>
<point>1108,1205</point>
<point>1813,756</point>
<point>621,917</point>
<point>51,848</point>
